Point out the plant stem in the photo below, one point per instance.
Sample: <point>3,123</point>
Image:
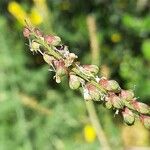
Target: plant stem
<point>89,104</point>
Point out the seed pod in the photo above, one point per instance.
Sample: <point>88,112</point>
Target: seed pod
<point>34,46</point>
<point>113,86</point>
<point>146,121</point>
<point>128,116</point>
<point>52,40</point>
<point>48,59</point>
<point>103,83</point>
<point>26,32</point>
<point>141,107</point>
<point>108,103</point>
<point>60,67</point>
<point>74,82</point>
<point>93,91</point>
<point>127,95</point>
<point>91,68</point>
<point>109,85</point>
<point>117,102</point>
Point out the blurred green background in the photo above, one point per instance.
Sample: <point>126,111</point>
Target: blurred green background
<point>35,112</point>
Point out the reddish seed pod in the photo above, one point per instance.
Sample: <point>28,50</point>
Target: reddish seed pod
<point>93,91</point>
<point>26,32</point>
<point>127,95</point>
<point>114,100</point>
<point>49,38</point>
<point>141,107</point>
<point>60,67</point>
<point>103,82</point>
<point>52,40</point>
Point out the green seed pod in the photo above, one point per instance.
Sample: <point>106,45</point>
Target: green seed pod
<point>113,86</point>
<point>117,102</point>
<point>48,59</point>
<point>128,116</point>
<point>56,41</point>
<point>146,121</point>
<point>58,79</point>
<point>108,104</point>
<point>34,46</point>
<point>74,82</point>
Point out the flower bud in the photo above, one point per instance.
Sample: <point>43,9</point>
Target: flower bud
<point>141,107</point>
<point>74,82</point>
<point>91,68</point>
<point>48,59</point>
<point>127,95</point>
<point>26,32</point>
<point>60,67</point>
<point>34,46</point>
<point>128,116</point>
<point>93,91</point>
<point>146,121</point>
<point>58,79</point>
<point>70,59</point>
<point>52,40</point>
<point>86,95</point>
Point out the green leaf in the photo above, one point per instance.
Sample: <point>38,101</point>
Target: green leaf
<point>146,49</point>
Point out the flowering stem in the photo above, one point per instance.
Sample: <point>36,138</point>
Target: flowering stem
<point>62,62</point>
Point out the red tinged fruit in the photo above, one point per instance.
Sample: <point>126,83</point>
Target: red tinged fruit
<point>127,95</point>
<point>52,40</point>
<point>141,107</point>
<point>128,116</point>
<point>26,32</point>
<point>109,85</point>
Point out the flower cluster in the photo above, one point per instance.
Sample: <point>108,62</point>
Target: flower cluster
<point>95,88</point>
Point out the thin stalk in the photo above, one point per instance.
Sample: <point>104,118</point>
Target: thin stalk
<point>89,104</point>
